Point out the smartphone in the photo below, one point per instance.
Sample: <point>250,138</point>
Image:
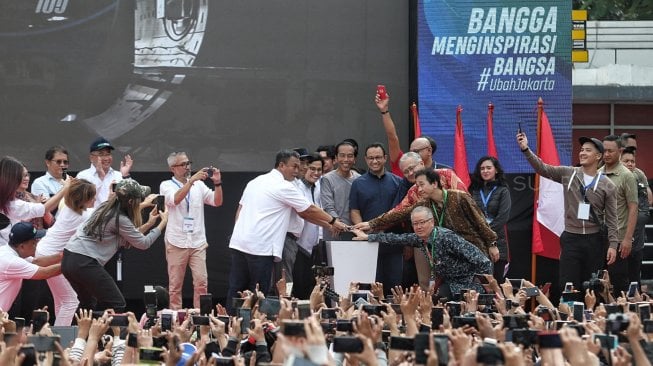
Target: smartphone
<point>160,202</point>
<point>546,287</point>
<point>132,340</point>
<point>43,343</point>
<point>206,304</point>
<point>396,308</point>
<point>648,326</point>
<point>328,327</point>
<point>150,355</point>
<point>544,313</point>
<point>570,297</point>
<point>402,343</point>
<point>531,291</point>
<point>374,309</point>
<point>580,330</point>
<point>519,130</point>
<point>579,311</point>
<point>201,320</point>
<point>246,314</point>
<point>454,308</point>
<point>461,321</point>
<point>489,354</point>
<point>515,321</point>
<point>525,337</point>
<point>611,308</point>
<point>344,325</point>
<point>437,317</point>
<point>113,186</point>
<point>225,319</point>
<point>516,284</point>
<point>270,307</point>
<point>160,341</point>
<point>608,341</point>
<point>329,313</point>
<point>30,355</point>
<point>224,361</point>
<point>632,289</point>
<point>119,320</point>
<point>549,340</point>
<point>481,278</point>
<point>210,349</point>
<point>181,316</point>
<point>644,311</point>
<point>486,299</point>
<point>20,323</point>
<point>441,343</point>
<point>237,302</point>
<point>381,91</point>
<point>166,322</point>
<point>39,318</point>
<point>64,175</point>
<point>569,287</point>
<point>293,328</point>
<point>360,295</point>
<point>421,345</point>
<point>348,344</point>
<point>208,171</point>
<point>304,310</point>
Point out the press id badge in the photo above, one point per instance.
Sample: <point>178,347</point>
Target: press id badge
<point>583,211</point>
<point>188,225</point>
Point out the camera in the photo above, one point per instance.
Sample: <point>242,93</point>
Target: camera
<point>322,271</point>
<point>209,172</point>
<point>616,323</point>
<point>594,283</point>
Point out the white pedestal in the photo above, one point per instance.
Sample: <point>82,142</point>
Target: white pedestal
<point>352,261</point>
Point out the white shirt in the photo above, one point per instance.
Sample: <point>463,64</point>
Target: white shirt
<point>13,269</point>
<point>192,206</point>
<point>264,217</point>
<point>102,186</point>
<point>310,235</point>
<point>63,229</point>
<point>20,210</point>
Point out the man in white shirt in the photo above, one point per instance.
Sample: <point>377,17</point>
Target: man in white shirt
<point>14,267</point>
<point>262,222</point>
<point>56,162</point>
<point>101,173</point>
<point>185,237</point>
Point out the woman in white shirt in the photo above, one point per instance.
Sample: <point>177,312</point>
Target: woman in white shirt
<point>78,206</point>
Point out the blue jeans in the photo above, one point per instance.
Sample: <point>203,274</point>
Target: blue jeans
<point>246,272</point>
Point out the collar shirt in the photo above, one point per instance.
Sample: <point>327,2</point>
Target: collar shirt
<point>13,270</point>
<point>264,216</point>
<point>186,227</point>
<point>46,185</point>
<point>20,210</point>
<point>626,185</point>
<point>103,186</point>
<point>373,195</point>
<point>310,235</point>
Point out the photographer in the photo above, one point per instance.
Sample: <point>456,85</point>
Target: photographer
<point>114,224</point>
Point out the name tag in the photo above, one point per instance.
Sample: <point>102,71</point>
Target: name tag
<point>583,211</point>
<point>188,225</point>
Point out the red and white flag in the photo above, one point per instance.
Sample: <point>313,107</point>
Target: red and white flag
<point>417,129</point>
<point>549,218</point>
<point>460,152</point>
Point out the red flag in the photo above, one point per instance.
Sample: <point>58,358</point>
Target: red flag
<point>491,147</point>
<point>548,220</point>
<point>417,129</point>
<point>460,152</point>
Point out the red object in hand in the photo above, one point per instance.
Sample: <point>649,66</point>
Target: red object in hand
<point>380,90</point>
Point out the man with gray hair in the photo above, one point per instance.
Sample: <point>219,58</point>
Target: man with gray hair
<point>185,196</point>
<point>451,260</point>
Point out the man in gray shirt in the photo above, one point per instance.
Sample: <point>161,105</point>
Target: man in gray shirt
<point>336,185</point>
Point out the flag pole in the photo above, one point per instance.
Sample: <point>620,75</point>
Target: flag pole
<point>540,104</point>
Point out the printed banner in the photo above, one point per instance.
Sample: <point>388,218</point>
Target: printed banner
<point>510,53</point>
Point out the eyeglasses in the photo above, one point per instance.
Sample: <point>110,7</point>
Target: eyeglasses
<point>419,149</point>
<point>184,164</point>
<point>422,222</point>
<point>373,158</point>
<point>60,162</point>
<point>102,154</point>
<point>410,169</point>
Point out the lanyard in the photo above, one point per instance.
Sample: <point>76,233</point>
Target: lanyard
<point>430,254</point>
<point>187,198</point>
<point>486,199</point>
<point>583,187</point>
<point>440,217</point>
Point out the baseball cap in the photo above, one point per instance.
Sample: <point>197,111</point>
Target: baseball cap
<point>101,143</point>
<point>596,142</point>
<point>302,151</point>
<point>131,188</point>
<point>188,350</point>
<point>24,231</point>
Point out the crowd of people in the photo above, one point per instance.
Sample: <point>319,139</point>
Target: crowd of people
<point>448,240</point>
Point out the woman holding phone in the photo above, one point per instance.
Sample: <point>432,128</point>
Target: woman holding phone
<point>491,194</point>
<point>78,206</point>
<point>115,224</point>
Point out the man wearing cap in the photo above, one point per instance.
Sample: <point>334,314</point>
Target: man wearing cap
<point>101,173</point>
<point>590,201</point>
<point>16,264</point>
<point>185,196</point>
<point>56,162</point>
<point>627,200</point>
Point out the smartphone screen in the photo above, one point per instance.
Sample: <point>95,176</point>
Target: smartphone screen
<point>608,341</point>
<point>39,318</point>
<point>549,340</point>
<point>579,311</point>
<point>304,310</point>
<point>347,344</point>
<point>531,291</point>
<point>402,343</point>
<point>644,311</point>
<point>421,345</point>
<point>437,317</point>
<point>246,314</point>
<point>632,289</point>
<point>166,322</point>
<point>160,202</point>
<point>206,303</point>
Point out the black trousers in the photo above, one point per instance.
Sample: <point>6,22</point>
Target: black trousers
<point>580,256</point>
<point>303,282</point>
<point>95,287</point>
